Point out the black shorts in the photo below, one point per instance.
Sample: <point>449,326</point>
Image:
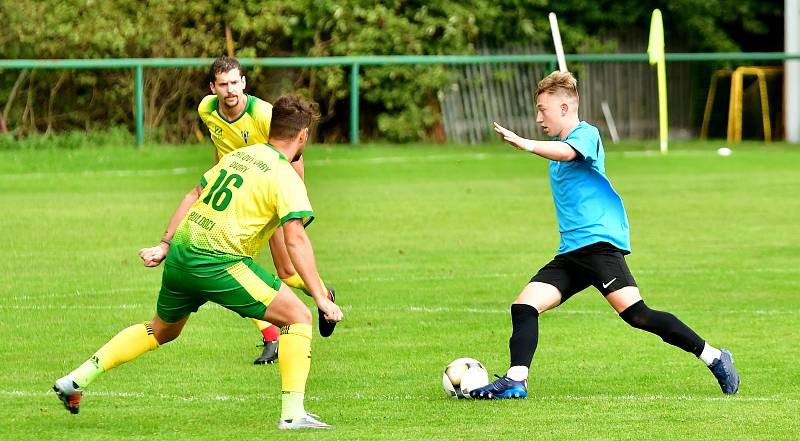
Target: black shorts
<point>601,265</point>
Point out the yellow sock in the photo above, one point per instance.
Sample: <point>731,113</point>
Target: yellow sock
<point>296,282</point>
<point>294,360</point>
<point>128,344</point>
<point>260,324</point>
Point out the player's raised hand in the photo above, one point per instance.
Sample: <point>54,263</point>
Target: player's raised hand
<point>153,256</point>
<point>512,138</point>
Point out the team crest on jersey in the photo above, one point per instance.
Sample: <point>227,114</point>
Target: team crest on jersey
<point>245,135</point>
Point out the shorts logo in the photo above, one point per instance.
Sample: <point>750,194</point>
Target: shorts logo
<point>606,285</point>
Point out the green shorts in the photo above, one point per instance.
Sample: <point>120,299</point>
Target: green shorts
<point>243,287</point>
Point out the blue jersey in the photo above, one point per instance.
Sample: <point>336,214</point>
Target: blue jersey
<point>587,207</point>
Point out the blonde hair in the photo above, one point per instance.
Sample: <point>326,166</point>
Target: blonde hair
<point>558,82</point>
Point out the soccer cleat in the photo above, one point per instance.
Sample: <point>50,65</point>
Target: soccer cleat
<point>69,394</point>
<point>503,387</point>
<point>307,421</point>
<point>326,327</point>
<point>726,374</point>
<point>270,353</point>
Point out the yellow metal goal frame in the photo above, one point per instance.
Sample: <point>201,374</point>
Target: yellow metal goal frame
<point>735,102</point>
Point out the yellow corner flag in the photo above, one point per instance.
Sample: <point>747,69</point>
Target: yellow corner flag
<point>655,48</point>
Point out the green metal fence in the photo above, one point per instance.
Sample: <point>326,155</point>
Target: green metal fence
<point>354,63</point>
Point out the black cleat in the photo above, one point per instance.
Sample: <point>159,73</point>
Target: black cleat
<point>325,327</point>
<point>270,353</point>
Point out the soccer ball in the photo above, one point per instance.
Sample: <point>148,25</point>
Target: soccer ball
<point>463,375</point>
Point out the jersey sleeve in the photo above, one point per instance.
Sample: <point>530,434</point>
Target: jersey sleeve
<point>209,175</point>
<point>263,117</point>
<point>291,198</point>
<point>206,107</point>
<point>586,141</point>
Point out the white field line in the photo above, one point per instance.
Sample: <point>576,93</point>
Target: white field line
<point>79,307</point>
<point>657,153</point>
<point>403,159</point>
<point>499,154</point>
<point>86,294</point>
<point>360,309</point>
<point>157,172</point>
<point>310,163</point>
<point>477,275</point>
<point>560,311</point>
<point>148,289</point>
<point>105,173</point>
<point>358,396</point>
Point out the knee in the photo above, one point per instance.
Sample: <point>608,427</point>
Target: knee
<point>299,314</point>
<point>304,315</point>
<point>164,335</point>
<point>541,296</point>
<point>637,315</point>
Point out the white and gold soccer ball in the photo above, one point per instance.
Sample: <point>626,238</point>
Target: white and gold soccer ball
<point>463,375</point>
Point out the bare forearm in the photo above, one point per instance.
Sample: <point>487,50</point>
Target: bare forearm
<point>180,213</point>
<point>302,255</point>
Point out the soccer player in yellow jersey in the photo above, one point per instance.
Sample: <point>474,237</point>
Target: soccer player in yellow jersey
<point>234,120</point>
<point>208,249</point>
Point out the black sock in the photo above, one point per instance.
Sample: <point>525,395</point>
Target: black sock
<point>664,325</point>
<point>525,337</point>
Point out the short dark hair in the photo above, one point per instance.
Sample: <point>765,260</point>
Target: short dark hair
<point>290,115</point>
<point>221,65</point>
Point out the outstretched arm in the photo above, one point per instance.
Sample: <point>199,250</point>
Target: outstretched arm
<point>555,150</point>
<point>154,255</point>
<point>302,254</point>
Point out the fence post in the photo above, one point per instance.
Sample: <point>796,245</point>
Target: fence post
<point>139,103</point>
<point>354,104</point>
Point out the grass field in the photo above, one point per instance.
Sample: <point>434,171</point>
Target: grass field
<point>426,246</point>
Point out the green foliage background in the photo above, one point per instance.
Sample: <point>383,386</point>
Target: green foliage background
<point>398,102</point>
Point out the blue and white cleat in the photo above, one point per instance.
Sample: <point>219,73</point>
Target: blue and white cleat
<point>307,421</point>
<point>503,387</point>
<point>726,374</point>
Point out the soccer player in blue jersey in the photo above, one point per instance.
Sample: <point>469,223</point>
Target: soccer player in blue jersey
<point>594,242</point>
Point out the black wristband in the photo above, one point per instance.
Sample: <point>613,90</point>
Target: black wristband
<point>169,244</point>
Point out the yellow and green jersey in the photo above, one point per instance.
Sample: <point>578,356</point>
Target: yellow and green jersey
<point>251,127</point>
<point>245,197</point>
